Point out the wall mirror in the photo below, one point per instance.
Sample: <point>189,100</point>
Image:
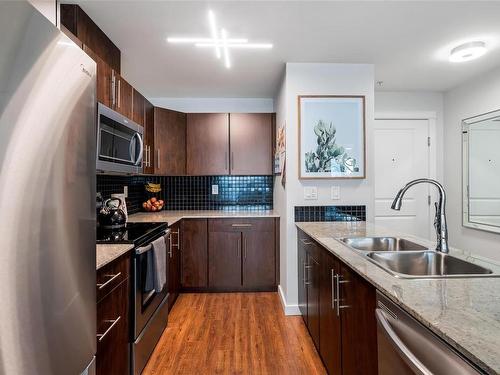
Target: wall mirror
<point>481,171</point>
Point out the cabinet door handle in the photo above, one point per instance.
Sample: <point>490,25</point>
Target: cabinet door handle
<point>113,89</point>
<point>238,248</point>
<point>333,288</point>
<point>337,287</point>
<point>113,323</point>
<point>158,155</point>
<point>178,244</point>
<point>119,94</point>
<point>226,161</point>
<point>170,246</point>
<point>245,247</point>
<point>232,161</point>
<point>307,267</point>
<point>305,242</point>
<point>241,225</point>
<point>112,277</point>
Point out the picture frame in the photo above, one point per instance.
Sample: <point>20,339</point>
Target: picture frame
<point>332,140</point>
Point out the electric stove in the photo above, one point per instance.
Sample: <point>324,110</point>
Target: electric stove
<point>134,233</point>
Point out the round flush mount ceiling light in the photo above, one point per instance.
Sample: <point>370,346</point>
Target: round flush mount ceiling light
<point>468,51</point>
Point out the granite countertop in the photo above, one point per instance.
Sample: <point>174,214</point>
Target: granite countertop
<point>464,312</point>
<point>171,217</point>
<point>107,253</point>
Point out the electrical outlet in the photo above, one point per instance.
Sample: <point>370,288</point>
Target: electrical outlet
<point>335,193</point>
<point>310,193</point>
<point>125,191</point>
<point>215,189</point>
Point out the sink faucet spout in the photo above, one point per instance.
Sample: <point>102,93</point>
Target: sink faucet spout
<point>440,219</point>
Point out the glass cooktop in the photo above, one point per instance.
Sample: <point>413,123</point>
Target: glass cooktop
<point>135,233</point>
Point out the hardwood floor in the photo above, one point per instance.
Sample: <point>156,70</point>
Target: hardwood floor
<point>233,333</point>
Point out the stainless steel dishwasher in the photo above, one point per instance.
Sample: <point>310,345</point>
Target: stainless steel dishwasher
<point>405,346</point>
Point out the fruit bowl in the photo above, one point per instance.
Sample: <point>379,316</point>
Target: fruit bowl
<point>153,205</point>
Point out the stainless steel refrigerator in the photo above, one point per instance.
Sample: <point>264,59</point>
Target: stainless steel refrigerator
<point>47,198</point>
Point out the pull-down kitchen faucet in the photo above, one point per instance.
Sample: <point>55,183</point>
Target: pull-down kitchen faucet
<point>440,219</point>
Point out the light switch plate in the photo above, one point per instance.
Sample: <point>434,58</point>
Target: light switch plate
<point>336,193</point>
<point>215,189</point>
<point>310,193</point>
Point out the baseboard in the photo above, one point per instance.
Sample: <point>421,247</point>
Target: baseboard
<point>287,309</point>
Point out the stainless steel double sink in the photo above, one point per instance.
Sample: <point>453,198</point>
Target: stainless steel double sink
<point>406,259</point>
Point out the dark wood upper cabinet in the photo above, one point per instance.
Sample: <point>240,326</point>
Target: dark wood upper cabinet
<point>138,108</point>
<point>194,253</point>
<point>104,73</point>
<point>77,22</point>
<point>207,144</point>
<point>149,135</point>
<point>224,260</point>
<point>123,95</point>
<point>169,142</point>
<point>329,324</point>
<point>357,300</point>
<point>251,143</point>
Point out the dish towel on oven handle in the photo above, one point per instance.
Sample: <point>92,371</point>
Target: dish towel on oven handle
<point>160,262</point>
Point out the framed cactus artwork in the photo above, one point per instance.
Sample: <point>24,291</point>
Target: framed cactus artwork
<point>331,137</point>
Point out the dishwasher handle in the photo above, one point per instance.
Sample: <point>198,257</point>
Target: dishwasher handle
<point>405,353</point>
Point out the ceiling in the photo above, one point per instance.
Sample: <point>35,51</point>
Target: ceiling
<point>408,42</point>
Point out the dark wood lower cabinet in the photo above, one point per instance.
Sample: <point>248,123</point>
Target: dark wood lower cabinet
<point>338,307</point>
<point>242,254</point>
<point>174,263</point>
<point>312,291</point>
<point>113,324</point>
<point>359,326</point>
<point>224,253</point>
<point>259,259</point>
<point>194,253</point>
<point>329,324</point>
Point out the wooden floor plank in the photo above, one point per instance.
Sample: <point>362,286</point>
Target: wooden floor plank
<point>233,333</point>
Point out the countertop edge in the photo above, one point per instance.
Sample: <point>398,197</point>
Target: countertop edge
<point>115,251</point>
<point>453,343</point>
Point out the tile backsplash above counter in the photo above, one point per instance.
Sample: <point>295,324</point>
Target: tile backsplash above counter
<point>252,193</point>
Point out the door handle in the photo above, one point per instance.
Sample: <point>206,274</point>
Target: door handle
<point>112,277</point>
<point>406,354</point>
<point>113,323</point>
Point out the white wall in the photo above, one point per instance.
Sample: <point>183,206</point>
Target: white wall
<point>49,8</point>
<point>409,102</point>
<point>214,105</point>
<point>472,98</point>
<point>320,79</point>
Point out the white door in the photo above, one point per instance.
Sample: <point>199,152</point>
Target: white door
<point>402,155</point>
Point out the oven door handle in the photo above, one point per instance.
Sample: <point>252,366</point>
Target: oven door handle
<point>148,247</point>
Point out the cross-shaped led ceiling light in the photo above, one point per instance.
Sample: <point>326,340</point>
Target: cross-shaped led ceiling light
<point>220,41</point>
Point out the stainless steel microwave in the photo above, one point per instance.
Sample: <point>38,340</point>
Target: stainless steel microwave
<point>119,142</point>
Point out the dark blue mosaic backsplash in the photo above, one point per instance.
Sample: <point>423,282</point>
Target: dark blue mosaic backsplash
<point>330,213</point>
<point>194,192</point>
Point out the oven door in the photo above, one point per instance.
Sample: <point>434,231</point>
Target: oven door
<point>146,299</point>
<point>119,143</point>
